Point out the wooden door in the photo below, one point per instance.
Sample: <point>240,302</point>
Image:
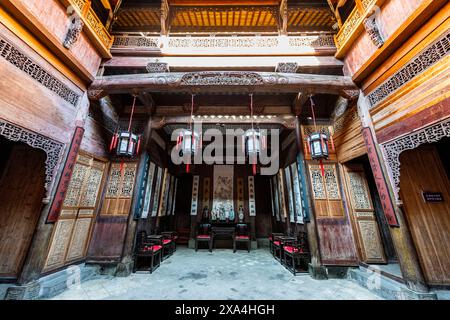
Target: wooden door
<point>111,224</point>
<point>362,214</point>
<point>72,231</point>
<point>21,194</point>
<point>337,245</point>
<point>422,170</point>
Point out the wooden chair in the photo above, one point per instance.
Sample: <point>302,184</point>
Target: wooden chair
<point>169,242</point>
<point>204,234</point>
<point>296,253</point>
<point>272,240</point>
<point>242,235</point>
<point>147,249</point>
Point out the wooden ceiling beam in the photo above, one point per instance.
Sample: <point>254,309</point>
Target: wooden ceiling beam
<point>299,102</point>
<point>213,82</point>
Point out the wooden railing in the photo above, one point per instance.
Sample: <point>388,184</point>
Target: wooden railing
<point>93,23</point>
<point>353,26</point>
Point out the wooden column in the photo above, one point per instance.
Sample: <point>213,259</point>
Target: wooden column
<point>316,269</point>
<point>401,235</point>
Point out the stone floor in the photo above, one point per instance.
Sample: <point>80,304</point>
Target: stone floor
<point>220,275</point>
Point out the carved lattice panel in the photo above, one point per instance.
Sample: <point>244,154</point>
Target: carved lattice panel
<point>79,239</point>
<point>373,250</point>
<point>93,184</point>
<point>60,243</point>
<point>128,181</point>
<point>73,194</point>
<point>112,190</point>
<point>358,190</point>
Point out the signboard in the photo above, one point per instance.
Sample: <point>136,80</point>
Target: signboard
<point>380,181</point>
<point>432,196</point>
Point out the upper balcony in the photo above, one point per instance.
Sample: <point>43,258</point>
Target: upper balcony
<point>95,28</point>
<point>352,26</point>
<point>312,44</point>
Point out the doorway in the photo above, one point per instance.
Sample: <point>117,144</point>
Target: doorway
<point>425,191</point>
<point>22,179</point>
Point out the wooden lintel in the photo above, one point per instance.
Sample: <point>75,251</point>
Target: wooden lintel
<point>220,81</point>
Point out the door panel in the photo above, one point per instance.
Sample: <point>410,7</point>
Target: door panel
<point>73,229</point>
<point>422,170</point>
<point>21,193</point>
<point>363,218</point>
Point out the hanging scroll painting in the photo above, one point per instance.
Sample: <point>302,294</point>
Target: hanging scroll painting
<point>282,199</point>
<point>157,193</point>
<point>206,193</point>
<point>251,196</point>
<point>170,199</point>
<point>148,191</point>
<point>174,196</point>
<point>276,200</point>
<point>223,204</point>
<point>272,197</point>
<point>296,189</point>
<point>194,201</point>
<point>287,176</point>
<point>164,193</point>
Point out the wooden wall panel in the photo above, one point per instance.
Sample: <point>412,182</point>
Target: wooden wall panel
<point>107,239</point>
<point>348,140</point>
<point>429,223</point>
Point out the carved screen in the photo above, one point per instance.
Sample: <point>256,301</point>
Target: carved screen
<point>326,191</point>
<point>119,190</point>
<point>72,230</point>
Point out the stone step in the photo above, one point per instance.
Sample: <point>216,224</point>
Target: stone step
<point>56,283</point>
<point>372,279</point>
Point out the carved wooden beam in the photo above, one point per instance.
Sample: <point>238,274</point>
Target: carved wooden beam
<point>287,121</point>
<point>221,81</point>
<point>284,15</point>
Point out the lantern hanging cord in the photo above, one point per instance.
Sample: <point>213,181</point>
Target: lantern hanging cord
<point>192,111</point>
<point>132,112</point>
<point>251,109</point>
<point>313,114</point>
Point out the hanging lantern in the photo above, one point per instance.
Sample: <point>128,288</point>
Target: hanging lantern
<point>318,143</point>
<point>253,142</point>
<point>189,142</point>
<point>126,143</point>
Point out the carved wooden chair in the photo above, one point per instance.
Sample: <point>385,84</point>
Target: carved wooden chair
<point>272,245</point>
<point>169,242</point>
<point>204,234</point>
<point>242,235</point>
<point>296,255</point>
<point>147,249</point>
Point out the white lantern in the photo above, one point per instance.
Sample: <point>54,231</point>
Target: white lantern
<point>190,142</point>
<point>253,142</point>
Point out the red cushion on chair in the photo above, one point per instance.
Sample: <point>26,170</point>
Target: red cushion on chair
<point>167,241</point>
<point>242,237</point>
<point>293,250</point>
<point>270,238</point>
<point>277,243</point>
<point>152,248</point>
<point>203,236</point>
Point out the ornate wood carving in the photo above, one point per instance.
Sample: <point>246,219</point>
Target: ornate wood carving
<point>373,30</point>
<point>392,149</point>
<point>419,64</point>
<point>21,61</point>
<point>74,32</point>
<point>287,67</point>
<point>52,148</point>
<point>221,79</point>
<point>157,67</point>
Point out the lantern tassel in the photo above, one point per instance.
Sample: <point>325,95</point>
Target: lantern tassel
<point>121,167</point>
<point>254,169</point>
<point>322,168</point>
<point>138,148</point>
<point>308,146</point>
<point>188,168</point>
<point>111,146</point>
